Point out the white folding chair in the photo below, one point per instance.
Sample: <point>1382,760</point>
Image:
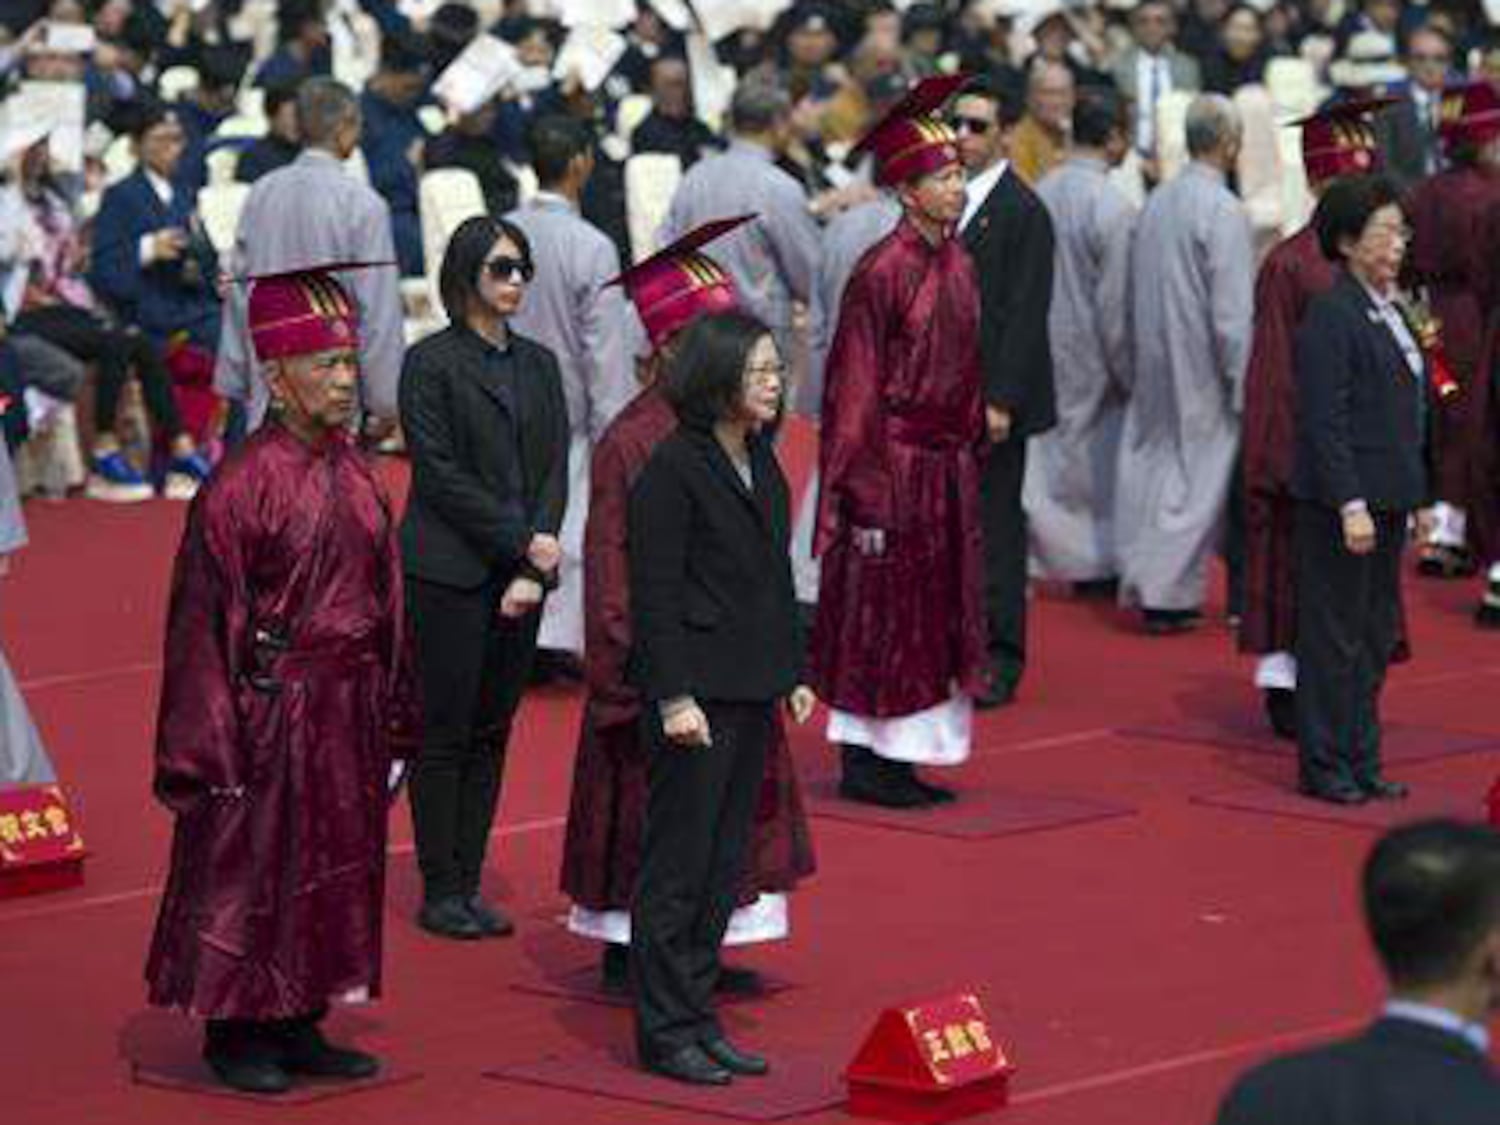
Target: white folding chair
<point>632,110</point>
<point>651,179</point>
<point>219,206</point>
<point>446,197</point>
<point>1171,133</point>
<point>222,162</point>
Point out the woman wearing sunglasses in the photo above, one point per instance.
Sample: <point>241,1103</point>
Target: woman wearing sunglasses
<point>487,427</point>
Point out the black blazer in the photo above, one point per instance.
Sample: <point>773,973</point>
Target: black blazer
<point>1397,1073</point>
<point>1010,239</point>
<point>489,460</point>
<point>1406,143</point>
<point>1361,413</point>
<point>712,610</point>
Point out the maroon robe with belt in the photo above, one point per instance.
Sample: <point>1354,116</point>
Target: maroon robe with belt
<point>1293,273</point>
<point>274,744</point>
<point>602,847</point>
<point>902,427</point>
<point>1447,214</point>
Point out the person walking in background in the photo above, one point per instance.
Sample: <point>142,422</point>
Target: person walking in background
<point>1192,286</point>
<point>486,422</point>
<point>714,651</point>
<point>1362,415</point>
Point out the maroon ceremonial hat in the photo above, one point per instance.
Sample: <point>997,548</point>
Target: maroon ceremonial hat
<point>910,141</point>
<point>298,312</point>
<point>1340,140</point>
<point>678,284</point>
<point>1469,113</point>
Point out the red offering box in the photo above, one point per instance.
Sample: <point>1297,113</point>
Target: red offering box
<point>40,848</point>
<point>929,1062</point>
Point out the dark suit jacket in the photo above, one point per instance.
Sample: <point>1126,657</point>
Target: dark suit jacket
<point>1361,413</point>
<point>165,297</point>
<point>489,458</point>
<point>713,613</point>
<point>1406,142</point>
<point>1397,1073</point>
<point>1010,240</point>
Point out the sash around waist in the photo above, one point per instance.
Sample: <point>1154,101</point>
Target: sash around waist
<point>924,435</point>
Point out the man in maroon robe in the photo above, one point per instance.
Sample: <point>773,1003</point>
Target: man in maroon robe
<point>1338,141</point>
<point>274,737</point>
<point>1446,213</point>
<point>602,848</point>
<point>898,649</point>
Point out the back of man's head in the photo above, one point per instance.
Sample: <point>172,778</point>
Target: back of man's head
<point>1432,900</point>
<point>324,107</point>
<point>1097,115</point>
<point>759,106</point>
<point>556,141</point>
<point>1212,123</point>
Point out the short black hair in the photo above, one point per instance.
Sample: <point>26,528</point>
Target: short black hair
<point>1097,113</point>
<point>555,142</point>
<point>405,52</point>
<point>139,117</point>
<point>279,94</point>
<point>222,66</point>
<point>1346,208</point>
<point>1009,103</point>
<point>1431,895</point>
<point>706,376</point>
<point>458,277</point>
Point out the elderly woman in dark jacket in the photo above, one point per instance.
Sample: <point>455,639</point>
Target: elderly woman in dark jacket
<point>485,420</point>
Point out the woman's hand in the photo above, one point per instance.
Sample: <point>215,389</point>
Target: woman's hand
<point>1423,525</point>
<point>801,703</point>
<point>544,552</point>
<point>521,597</point>
<point>687,726</point>
<point>1359,531</point>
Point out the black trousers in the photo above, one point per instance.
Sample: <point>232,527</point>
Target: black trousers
<point>698,820</point>
<point>1347,612</point>
<point>1003,521</point>
<point>472,667</point>
<point>113,352</point>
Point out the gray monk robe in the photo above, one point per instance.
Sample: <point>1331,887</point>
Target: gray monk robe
<point>23,761</point>
<point>312,211</point>
<point>1070,471</point>
<point>1193,281</point>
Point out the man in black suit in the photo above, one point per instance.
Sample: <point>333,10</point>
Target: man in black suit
<point>1432,907</point>
<point>1408,130</point>
<point>1008,233</point>
<point>1360,473</point>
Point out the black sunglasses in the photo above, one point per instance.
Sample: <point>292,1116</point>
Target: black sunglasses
<point>976,125</point>
<point>518,270</point>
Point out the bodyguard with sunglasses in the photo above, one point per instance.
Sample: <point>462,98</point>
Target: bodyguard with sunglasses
<point>487,426</point>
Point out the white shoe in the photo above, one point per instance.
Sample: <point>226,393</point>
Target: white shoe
<point>179,486</point>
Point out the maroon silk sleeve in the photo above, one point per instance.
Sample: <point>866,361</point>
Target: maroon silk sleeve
<point>1270,434</point>
<point>606,586</point>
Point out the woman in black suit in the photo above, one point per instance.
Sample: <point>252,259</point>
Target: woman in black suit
<point>485,421</point>
<point>1362,394</point>
<point>716,648</point>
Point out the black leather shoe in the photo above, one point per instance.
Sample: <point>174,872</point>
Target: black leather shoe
<point>1169,622</point>
<point>936,794</point>
<point>736,981</point>
<point>305,1051</point>
<point>247,1073</point>
<point>1281,712</point>
<point>871,780</point>
<point>1383,789</point>
<point>732,1059</point>
<point>491,919</point>
<point>1334,794</point>
<point>1097,588</point>
<point>688,1064</point>
<point>450,918</point>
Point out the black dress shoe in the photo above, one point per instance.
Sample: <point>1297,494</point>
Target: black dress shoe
<point>1334,794</point>
<point>1169,622</point>
<point>737,981</point>
<point>871,780</point>
<point>732,1059</point>
<point>249,1071</point>
<point>1102,588</point>
<point>305,1051</point>
<point>491,919</point>
<point>688,1064</point>
<point>614,969</point>
<point>450,918</point>
<point>1383,789</point>
<point>1281,711</point>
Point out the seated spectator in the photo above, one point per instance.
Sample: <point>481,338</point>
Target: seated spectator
<point>117,77</point>
<point>1240,57</point>
<point>452,28</point>
<point>41,259</point>
<point>394,140</point>
<point>672,126</point>
<point>1432,909</point>
<point>281,144</point>
<point>809,50</point>
<point>648,39</point>
<point>1059,34</point>
<point>924,33</point>
<point>212,102</point>
<point>468,143</point>
<point>1041,138</point>
<point>302,31</point>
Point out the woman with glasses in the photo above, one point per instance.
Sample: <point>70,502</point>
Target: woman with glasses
<point>715,649</point>
<point>487,427</point>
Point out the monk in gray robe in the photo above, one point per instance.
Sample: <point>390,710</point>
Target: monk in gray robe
<point>1070,475</point>
<point>773,259</point>
<point>570,308</point>
<point>23,761</point>
<point>313,212</point>
<point>1193,279</point>
<point>845,240</point>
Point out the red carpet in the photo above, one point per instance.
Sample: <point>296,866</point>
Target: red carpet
<point>582,984</point>
<point>1131,965</point>
<point>1247,731</point>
